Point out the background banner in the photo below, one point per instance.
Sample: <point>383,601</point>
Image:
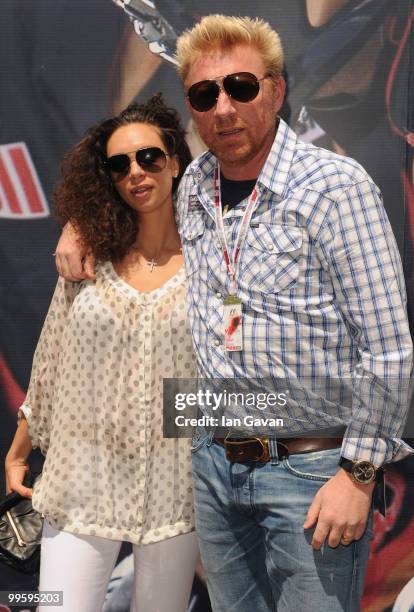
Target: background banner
<point>65,64</point>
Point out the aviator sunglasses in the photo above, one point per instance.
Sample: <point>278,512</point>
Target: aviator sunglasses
<point>241,86</point>
<point>150,159</point>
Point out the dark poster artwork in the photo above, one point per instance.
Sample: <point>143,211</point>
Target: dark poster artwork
<point>68,63</point>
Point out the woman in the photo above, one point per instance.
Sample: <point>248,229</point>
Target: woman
<point>94,404</point>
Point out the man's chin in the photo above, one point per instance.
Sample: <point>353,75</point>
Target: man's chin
<point>231,155</point>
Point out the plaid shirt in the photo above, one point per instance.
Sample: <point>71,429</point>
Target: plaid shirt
<point>322,289</point>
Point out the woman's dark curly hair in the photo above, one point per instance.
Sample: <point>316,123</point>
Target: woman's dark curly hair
<point>86,194</point>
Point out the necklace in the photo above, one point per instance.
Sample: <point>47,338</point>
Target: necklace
<point>154,261</point>
<point>151,264</point>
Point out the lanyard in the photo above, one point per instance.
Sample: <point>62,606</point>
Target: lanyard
<point>231,262</point>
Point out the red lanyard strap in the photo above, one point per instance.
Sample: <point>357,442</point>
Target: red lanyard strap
<point>231,262</point>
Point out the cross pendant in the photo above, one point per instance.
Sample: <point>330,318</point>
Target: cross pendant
<point>151,264</point>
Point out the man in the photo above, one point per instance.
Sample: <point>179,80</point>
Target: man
<point>294,240</point>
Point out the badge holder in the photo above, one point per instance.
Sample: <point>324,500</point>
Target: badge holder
<point>233,331</point>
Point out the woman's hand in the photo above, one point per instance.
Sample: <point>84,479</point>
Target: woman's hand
<point>16,471</point>
<point>73,261</point>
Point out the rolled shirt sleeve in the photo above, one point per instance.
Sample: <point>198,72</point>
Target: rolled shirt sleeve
<point>368,280</point>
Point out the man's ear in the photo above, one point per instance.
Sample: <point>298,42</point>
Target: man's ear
<point>188,105</point>
<point>279,84</point>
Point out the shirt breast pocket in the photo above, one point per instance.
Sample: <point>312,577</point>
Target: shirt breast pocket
<point>192,234</point>
<point>275,254</point>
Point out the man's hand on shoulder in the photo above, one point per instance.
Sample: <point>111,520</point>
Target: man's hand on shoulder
<point>73,261</point>
<point>339,511</point>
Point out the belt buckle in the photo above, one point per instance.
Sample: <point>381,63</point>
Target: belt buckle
<point>285,449</point>
<point>264,443</point>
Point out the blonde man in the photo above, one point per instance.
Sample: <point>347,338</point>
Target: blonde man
<point>292,242</point>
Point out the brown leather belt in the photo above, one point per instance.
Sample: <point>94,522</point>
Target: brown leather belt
<point>244,450</point>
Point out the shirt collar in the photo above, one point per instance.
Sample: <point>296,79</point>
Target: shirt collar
<point>275,172</point>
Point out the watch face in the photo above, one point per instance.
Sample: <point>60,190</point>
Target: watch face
<point>364,472</point>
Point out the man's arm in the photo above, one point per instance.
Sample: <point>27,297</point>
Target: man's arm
<point>73,261</point>
<point>368,281</point>
<point>366,272</point>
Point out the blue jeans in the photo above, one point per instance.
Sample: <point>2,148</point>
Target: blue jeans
<point>249,522</point>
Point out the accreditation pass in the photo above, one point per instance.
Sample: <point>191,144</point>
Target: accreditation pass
<point>233,331</point>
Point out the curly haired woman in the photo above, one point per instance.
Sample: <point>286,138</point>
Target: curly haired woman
<point>95,396</point>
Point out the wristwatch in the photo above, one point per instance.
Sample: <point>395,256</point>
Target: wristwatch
<point>362,472</point>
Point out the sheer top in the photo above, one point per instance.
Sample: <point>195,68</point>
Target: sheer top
<point>94,406</point>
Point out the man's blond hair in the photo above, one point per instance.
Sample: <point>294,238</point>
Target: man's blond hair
<point>223,32</point>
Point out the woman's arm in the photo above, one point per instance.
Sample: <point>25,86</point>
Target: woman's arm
<point>39,403</point>
<point>321,11</point>
<point>137,66</point>
<point>35,413</point>
<point>16,465</point>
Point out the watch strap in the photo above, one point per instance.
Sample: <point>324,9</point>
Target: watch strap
<point>357,469</point>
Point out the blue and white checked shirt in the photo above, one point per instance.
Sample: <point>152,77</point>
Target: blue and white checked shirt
<point>322,289</point>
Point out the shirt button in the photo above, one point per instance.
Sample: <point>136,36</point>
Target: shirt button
<point>216,342</point>
<point>270,246</point>
<point>218,295</point>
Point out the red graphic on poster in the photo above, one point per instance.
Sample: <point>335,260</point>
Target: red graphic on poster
<point>391,563</point>
<point>13,392</point>
<point>21,193</point>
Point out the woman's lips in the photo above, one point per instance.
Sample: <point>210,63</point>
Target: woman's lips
<point>140,191</point>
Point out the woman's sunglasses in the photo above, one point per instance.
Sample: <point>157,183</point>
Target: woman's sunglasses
<point>150,159</point>
<point>241,86</point>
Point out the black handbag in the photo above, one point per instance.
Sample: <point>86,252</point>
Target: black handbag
<point>20,533</point>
